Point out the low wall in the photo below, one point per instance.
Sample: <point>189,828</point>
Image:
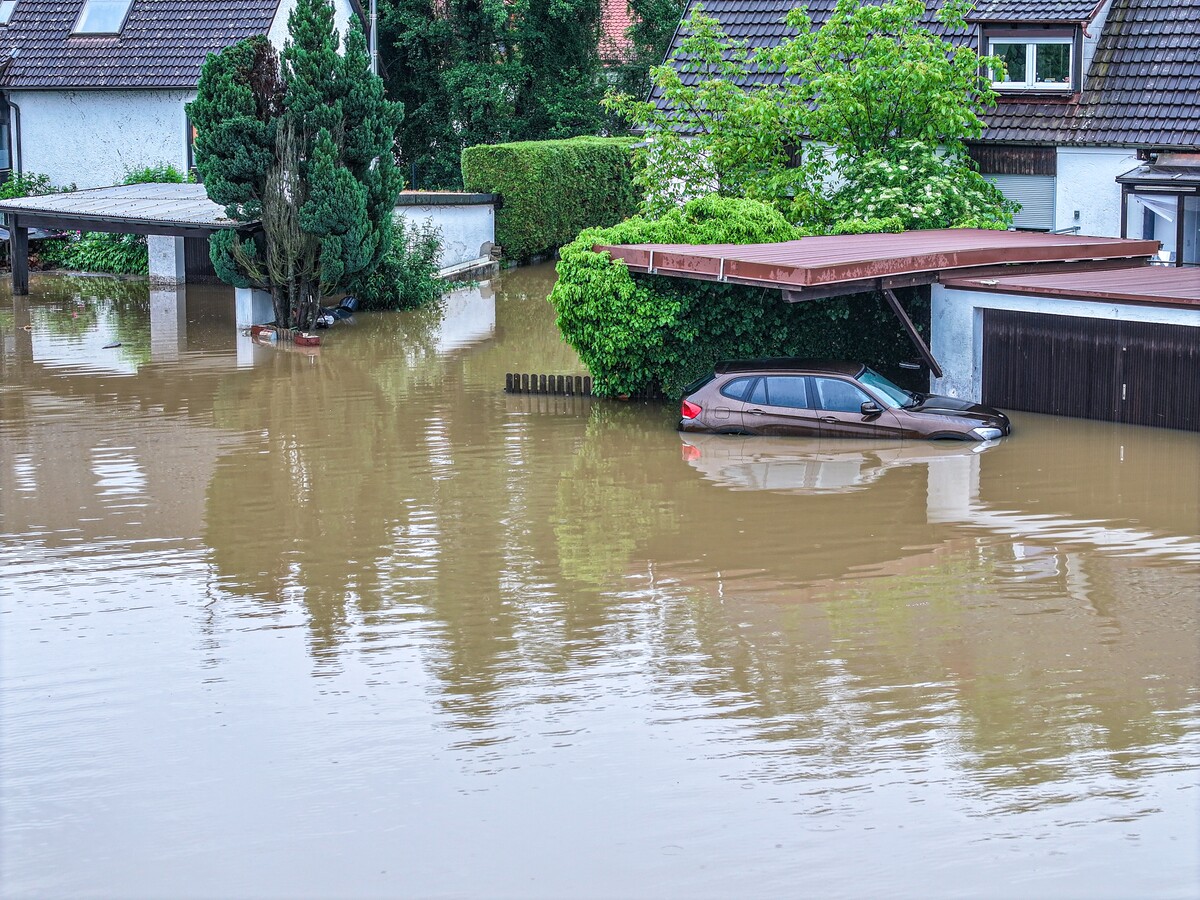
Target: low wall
<point>467,223</point>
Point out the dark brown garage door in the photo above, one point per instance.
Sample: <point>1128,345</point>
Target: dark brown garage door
<point>1135,372</point>
<point>197,266</point>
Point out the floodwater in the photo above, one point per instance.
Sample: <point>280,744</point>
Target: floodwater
<point>359,624</point>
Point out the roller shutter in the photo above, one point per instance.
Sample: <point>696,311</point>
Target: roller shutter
<point>1035,193</point>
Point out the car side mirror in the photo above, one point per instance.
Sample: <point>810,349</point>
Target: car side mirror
<point>870,409</point>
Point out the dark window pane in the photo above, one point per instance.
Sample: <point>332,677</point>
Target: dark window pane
<point>787,390</point>
<point>1053,63</point>
<point>736,389</point>
<point>1013,56</point>
<point>759,396</point>
<point>839,396</point>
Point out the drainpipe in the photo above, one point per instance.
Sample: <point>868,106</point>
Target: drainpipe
<point>373,43</point>
<point>16,136</point>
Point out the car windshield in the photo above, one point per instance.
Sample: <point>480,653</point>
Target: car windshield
<point>890,394</point>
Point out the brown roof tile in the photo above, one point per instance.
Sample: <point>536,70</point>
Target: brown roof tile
<point>163,43</point>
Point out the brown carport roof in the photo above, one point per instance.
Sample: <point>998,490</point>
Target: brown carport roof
<point>1156,285</point>
<point>823,266</point>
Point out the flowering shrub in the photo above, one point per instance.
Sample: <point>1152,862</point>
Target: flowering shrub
<point>918,188</point>
<point>865,121</point>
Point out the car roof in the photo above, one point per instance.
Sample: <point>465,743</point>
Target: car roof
<point>788,364</point>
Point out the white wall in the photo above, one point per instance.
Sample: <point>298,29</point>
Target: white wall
<point>467,230</point>
<point>957,328</point>
<point>92,138</point>
<point>1087,182</point>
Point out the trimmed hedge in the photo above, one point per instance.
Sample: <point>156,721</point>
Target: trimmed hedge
<point>552,190</point>
<point>644,332</point>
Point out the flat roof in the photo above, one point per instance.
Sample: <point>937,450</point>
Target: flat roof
<point>1150,284</point>
<point>813,266</point>
<point>142,206</point>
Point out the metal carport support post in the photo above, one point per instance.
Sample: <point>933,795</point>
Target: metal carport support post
<point>18,252</point>
<point>913,335</point>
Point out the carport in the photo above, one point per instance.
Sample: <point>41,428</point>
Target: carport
<point>816,268</point>
<point>172,216</point>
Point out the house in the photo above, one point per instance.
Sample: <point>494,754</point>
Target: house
<point>1097,126</point>
<point>91,89</point>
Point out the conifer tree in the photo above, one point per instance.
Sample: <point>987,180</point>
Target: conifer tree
<point>302,142</point>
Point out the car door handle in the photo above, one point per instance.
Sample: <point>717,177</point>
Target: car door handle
<point>830,420</point>
<point>755,412</point>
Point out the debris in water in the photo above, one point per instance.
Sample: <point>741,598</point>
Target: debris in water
<point>111,346</point>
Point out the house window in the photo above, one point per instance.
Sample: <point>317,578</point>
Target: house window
<point>102,16</point>
<point>1034,63</point>
<point>6,10</point>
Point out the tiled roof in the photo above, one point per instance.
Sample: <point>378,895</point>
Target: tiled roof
<point>1142,89</point>
<point>615,19</point>
<point>162,45</point>
<point>1033,11</point>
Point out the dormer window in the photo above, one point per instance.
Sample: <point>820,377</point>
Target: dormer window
<point>102,17</point>
<point>1034,60</point>
<point>6,10</point>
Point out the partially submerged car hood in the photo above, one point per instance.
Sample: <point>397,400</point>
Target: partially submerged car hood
<point>937,405</point>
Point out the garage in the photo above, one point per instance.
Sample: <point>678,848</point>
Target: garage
<point>1140,373</point>
<point>1119,345</point>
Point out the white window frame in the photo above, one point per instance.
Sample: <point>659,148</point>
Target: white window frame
<point>1031,45</point>
<point>7,8</point>
<point>83,16</point>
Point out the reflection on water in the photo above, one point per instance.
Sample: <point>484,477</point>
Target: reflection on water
<point>360,624</point>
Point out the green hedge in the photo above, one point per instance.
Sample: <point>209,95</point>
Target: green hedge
<point>643,332</point>
<point>552,190</point>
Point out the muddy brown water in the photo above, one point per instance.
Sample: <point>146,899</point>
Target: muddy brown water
<point>359,624</point>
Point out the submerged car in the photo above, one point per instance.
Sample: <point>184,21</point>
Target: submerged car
<point>825,398</point>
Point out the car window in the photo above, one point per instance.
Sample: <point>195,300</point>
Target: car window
<point>839,396</point>
<point>787,390</point>
<point>736,389</point>
<point>759,395</point>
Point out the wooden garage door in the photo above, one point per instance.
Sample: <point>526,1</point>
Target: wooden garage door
<point>1135,372</point>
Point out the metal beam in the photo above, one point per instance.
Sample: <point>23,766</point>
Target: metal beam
<point>913,335</point>
<point>53,222</point>
<point>18,253</point>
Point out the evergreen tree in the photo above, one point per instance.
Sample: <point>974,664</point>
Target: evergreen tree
<point>301,141</point>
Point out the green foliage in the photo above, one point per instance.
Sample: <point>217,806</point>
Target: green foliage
<point>303,142</point>
<point>553,189</point>
<point>405,279</point>
<point>642,332</point>
<point>29,184</point>
<point>475,72</point>
<point>159,173</point>
<point>116,254</point>
<point>867,121</point>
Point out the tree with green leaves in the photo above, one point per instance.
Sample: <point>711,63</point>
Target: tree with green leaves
<point>300,141</point>
<point>867,122</point>
<point>475,72</point>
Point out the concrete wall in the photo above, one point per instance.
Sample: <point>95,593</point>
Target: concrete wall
<point>468,230</point>
<point>1087,183</point>
<point>92,138</point>
<point>957,328</point>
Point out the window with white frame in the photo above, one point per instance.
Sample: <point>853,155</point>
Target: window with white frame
<point>6,10</point>
<point>1033,63</point>
<point>102,17</point>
